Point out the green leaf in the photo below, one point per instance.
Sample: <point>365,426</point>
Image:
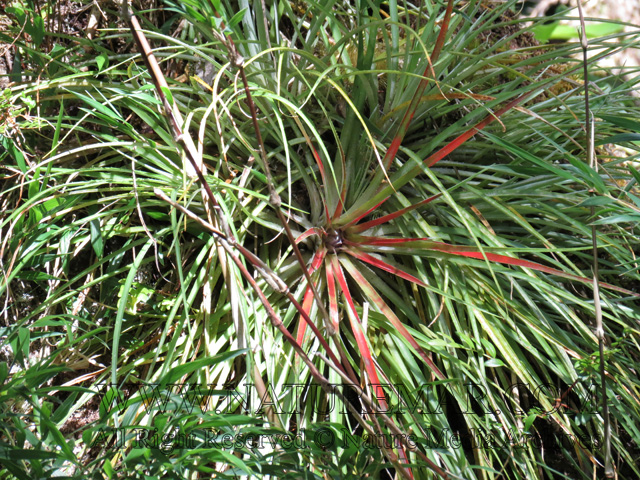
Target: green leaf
<point>16,71</point>
<point>217,22</point>
<point>589,175</point>
<point>23,453</point>
<point>528,422</point>
<point>138,293</point>
<point>624,122</point>
<point>22,346</point>
<point>109,399</point>
<point>157,215</point>
<point>18,12</point>
<point>525,155</point>
<point>36,276</point>
<point>109,112</point>
<point>237,18</point>
<point>167,93</point>
<point>596,201</point>
<point>493,363</point>
<point>4,372</point>
<point>489,347</point>
<point>13,150</point>
<point>620,138</point>
<point>182,370</point>
<point>635,173</point>
<point>543,32</point>
<point>624,218</point>
<point>102,61</point>
<point>568,32</point>
<point>37,31</point>
<point>28,101</point>
<point>108,469</point>
<point>97,242</point>
<point>153,121</point>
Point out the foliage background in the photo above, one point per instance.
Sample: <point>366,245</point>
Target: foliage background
<point>105,284</point>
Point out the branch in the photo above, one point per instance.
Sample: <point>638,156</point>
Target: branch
<point>593,163</point>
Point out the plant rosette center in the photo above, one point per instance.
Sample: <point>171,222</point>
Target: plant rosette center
<point>333,239</point>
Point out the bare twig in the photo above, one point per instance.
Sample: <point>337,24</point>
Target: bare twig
<point>192,156</point>
<point>274,197</point>
<point>593,163</point>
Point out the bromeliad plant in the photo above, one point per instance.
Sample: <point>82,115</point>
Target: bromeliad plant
<point>361,201</point>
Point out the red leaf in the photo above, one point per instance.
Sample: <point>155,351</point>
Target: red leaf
<point>493,257</point>
<point>454,144</point>
<point>443,32</point>
<point>387,241</point>
<point>387,218</point>
<point>308,233</point>
<point>415,101</point>
<point>333,297</point>
<point>356,326</point>
<point>307,300</point>
<point>319,162</point>
<point>361,216</point>
<point>365,257</point>
<point>471,252</point>
<point>377,300</point>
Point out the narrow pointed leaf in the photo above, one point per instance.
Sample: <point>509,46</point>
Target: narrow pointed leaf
<point>360,336</point>
<point>443,32</point>
<point>356,326</point>
<point>415,101</point>
<point>493,257</point>
<point>333,297</point>
<point>377,300</point>
<point>387,218</point>
<point>384,192</point>
<point>424,244</point>
<point>307,300</point>
<point>438,96</point>
<point>371,260</point>
<point>308,233</point>
<point>319,162</point>
<point>364,214</point>
<point>343,196</point>
<point>461,139</point>
<point>343,191</point>
<point>390,241</point>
